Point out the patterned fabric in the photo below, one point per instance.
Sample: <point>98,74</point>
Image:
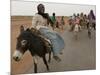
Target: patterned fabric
<point>56,40</point>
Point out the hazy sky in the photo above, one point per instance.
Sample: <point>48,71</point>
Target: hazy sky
<point>29,8</point>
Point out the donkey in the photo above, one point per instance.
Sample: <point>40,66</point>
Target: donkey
<point>29,40</point>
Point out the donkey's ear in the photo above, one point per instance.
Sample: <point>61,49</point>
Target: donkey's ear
<point>21,28</point>
<point>27,29</point>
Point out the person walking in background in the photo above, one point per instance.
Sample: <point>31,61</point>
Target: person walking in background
<point>81,20</point>
<point>77,21</point>
<point>70,22</point>
<point>73,22</point>
<point>53,18</point>
<point>92,19</point>
<point>86,21</point>
<point>62,22</point>
<point>76,29</point>
<point>77,26</point>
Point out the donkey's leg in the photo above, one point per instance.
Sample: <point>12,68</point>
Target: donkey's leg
<point>35,64</point>
<point>45,62</point>
<point>49,57</point>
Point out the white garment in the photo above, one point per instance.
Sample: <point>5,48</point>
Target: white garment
<point>39,21</point>
<point>76,29</point>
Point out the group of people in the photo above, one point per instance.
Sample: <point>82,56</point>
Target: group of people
<point>57,22</point>
<point>81,21</point>
<point>46,25</point>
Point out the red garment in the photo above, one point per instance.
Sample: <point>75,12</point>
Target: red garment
<point>77,20</point>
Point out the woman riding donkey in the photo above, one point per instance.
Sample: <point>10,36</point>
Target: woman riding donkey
<point>40,22</point>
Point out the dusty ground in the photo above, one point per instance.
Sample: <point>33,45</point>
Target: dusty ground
<point>21,66</point>
<point>26,62</point>
<point>77,55</point>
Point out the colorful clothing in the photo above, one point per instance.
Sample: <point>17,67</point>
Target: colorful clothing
<point>53,19</point>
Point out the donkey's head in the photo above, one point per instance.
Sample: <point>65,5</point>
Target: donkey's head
<point>23,42</point>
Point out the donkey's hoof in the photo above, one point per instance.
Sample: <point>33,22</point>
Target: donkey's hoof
<point>57,58</point>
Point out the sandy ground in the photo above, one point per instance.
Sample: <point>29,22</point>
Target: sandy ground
<point>77,55</point>
<point>19,67</point>
<point>26,62</point>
